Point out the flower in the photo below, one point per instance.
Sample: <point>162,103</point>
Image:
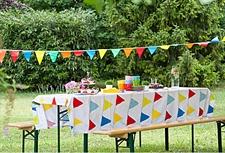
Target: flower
<point>72,87</point>
<point>175,72</point>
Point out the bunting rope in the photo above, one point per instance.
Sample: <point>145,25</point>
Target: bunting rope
<point>91,53</point>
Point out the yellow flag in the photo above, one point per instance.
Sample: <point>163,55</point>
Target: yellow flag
<point>190,110</point>
<point>76,122</point>
<point>117,118</point>
<point>36,120</point>
<point>40,56</point>
<point>145,102</point>
<point>66,54</point>
<point>127,51</point>
<point>181,98</point>
<point>47,106</point>
<point>155,114</point>
<point>189,45</point>
<point>223,39</point>
<point>102,52</point>
<point>107,104</point>
<point>165,47</point>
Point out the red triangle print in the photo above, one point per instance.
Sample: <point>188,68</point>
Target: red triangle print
<point>200,112</point>
<point>157,97</point>
<point>191,93</point>
<point>76,103</point>
<point>140,51</point>
<point>91,125</point>
<point>119,100</point>
<point>54,101</point>
<point>168,116</point>
<point>130,120</point>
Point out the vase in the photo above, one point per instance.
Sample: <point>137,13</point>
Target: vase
<point>175,82</point>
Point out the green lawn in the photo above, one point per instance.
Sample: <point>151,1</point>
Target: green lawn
<point>153,141</point>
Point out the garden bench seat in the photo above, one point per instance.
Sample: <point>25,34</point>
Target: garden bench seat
<point>128,133</point>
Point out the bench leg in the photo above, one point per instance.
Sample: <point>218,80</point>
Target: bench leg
<point>131,141</point>
<point>117,145</point>
<point>192,138</point>
<point>139,138</point>
<point>167,139</point>
<point>219,136</point>
<point>36,133</point>
<point>85,142</point>
<point>23,141</point>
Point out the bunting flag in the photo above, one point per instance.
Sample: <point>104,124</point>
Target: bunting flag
<point>102,52</point>
<point>215,40</point>
<point>14,55</point>
<point>66,54</point>
<point>115,52</point>
<point>127,51</point>
<point>223,39</point>
<point>2,55</point>
<point>152,49</point>
<point>91,53</point>
<point>40,56</point>
<point>53,55</point>
<point>140,51</point>
<point>27,54</point>
<point>165,47</point>
<point>203,44</point>
<point>78,52</point>
<point>189,45</point>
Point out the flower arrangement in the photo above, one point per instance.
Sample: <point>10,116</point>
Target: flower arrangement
<point>72,87</point>
<point>174,77</point>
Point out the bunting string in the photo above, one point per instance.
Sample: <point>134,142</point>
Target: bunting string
<point>14,54</point>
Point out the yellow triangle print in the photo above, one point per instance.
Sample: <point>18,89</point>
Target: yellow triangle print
<point>47,106</point>
<point>107,104</point>
<point>102,52</point>
<point>145,102</point>
<point>181,98</point>
<point>68,110</point>
<point>155,114</point>
<point>76,122</point>
<point>36,120</point>
<point>117,118</point>
<point>190,110</point>
<point>212,98</point>
<point>223,39</point>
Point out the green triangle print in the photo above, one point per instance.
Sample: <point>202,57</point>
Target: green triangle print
<point>133,103</point>
<point>93,106</point>
<point>170,99</point>
<point>202,96</point>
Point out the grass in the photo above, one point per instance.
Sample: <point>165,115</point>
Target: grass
<point>180,137</point>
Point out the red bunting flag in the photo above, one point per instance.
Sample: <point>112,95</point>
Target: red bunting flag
<point>14,55</point>
<point>140,51</point>
<point>2,55</point>
<point>78,52</point>
<point>203,44</point>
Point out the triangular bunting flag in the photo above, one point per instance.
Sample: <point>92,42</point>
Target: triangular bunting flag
<point>189,45</point>
<point>210,109</point>
<point>140,51</point>
<point>152,49</point>
<point>119,100</point>
<point>133,103</point>
<point>14,55</point>
<point>91,125</point>
<point>54,101</point>
<point>105,121</point>
<point>2,55</point>
<point>145,102</point>
<point>115,52</point>
<point>168,116</point>
<point>215,40</point>
<point>107,104</point>
<point>36,120</point>
<point>53,55</point>
<point>155,114</point>
<point>200,112</point>
<point>39,56</point>
<point>76,121</point>
<point>170,99</point>
<point>144,117</point>
<point>102,52</point>
<point>47,106</point>
<point>50,124</point>
<point>157,97</point>
<point>190,110</point>
<point>130,120</point>
<point>65,118</point>
<point>117,118</point>
<point>165,47</point>
<point>78,52</point>
<point>181,98</point>
<point>180,112</point>
<point>202,96</point>
<point>223,39</point>
<point>191,93</point>
<point>34,109</point>
<point>66,54</point>
<point>203,44</point>
<point>93,106</point>
<point>76,102</point>
<point>27,54</point>
<point>127,51</point>
<point>91,53</point>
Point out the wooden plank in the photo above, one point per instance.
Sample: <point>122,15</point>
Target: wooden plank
<point>28,125</point>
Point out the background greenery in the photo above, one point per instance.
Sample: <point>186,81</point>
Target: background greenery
<point>69,25</point>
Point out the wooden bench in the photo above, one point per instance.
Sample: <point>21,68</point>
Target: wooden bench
<point>129,133</point>
<point>28,129</point>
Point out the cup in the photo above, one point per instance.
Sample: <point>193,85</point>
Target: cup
<point>121,84</point>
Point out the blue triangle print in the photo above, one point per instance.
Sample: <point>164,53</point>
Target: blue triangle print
<point>180,112</point>
<point>210,109</point>
<point>202,96</point>
<point>65,118</point>
<point>93,106</point>
<point>170,99</point>
<point>133,103</point>
<point>144,117</point>
<point>34,108</point>
<point>105,121</point>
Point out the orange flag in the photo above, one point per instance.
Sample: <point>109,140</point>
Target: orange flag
<point>189,45</point>
<point>140,51</point>
<point>127,51</point>
<point>66,54</point>
<point>2,55</point>
<point>14,55</point>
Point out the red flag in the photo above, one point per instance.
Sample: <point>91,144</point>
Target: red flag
<point>203,44</point>
<point>140,51</point>
<point>91,125</point>
<point>2,55</point>
<point>130,120</point>
<point>14,55</point>
<point>119,100</point>
<point>78,52</point>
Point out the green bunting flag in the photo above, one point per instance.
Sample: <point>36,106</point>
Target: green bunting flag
<point>53,55</point>
<point>115,52</point>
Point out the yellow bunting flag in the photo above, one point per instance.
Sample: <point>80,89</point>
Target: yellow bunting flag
<point>166,47</point>
<point>189,45</point>
<point>102,52</point>
<point>155,114</point>
<point>127,51</point>
<point>66,54</point>
<point>181,98</point>
<point>36,120</point>
<point>190,110</point>
<point>47,106</point>
<point>40,56</point>
<point>76,122</point>
<point>145,102</point>
<point>107,104</point>
<point>117,118</point>
<point>223,39</point>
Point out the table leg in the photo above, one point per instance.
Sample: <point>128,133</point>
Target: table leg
<point>131,142</point>
<point>192,138</point>
<point>85,142</point>
<point>166,139</point>
<point>36,133</point>
<point>23,141</point>
<point>219,136</point>
<point>58,126</point>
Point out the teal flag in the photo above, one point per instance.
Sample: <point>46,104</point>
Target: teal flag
<point>91,53</point>
<point>215,40</point>
<point>27,54</point>
<point>53,55</point>
<point>115,52</point>
<point>152,49</point>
